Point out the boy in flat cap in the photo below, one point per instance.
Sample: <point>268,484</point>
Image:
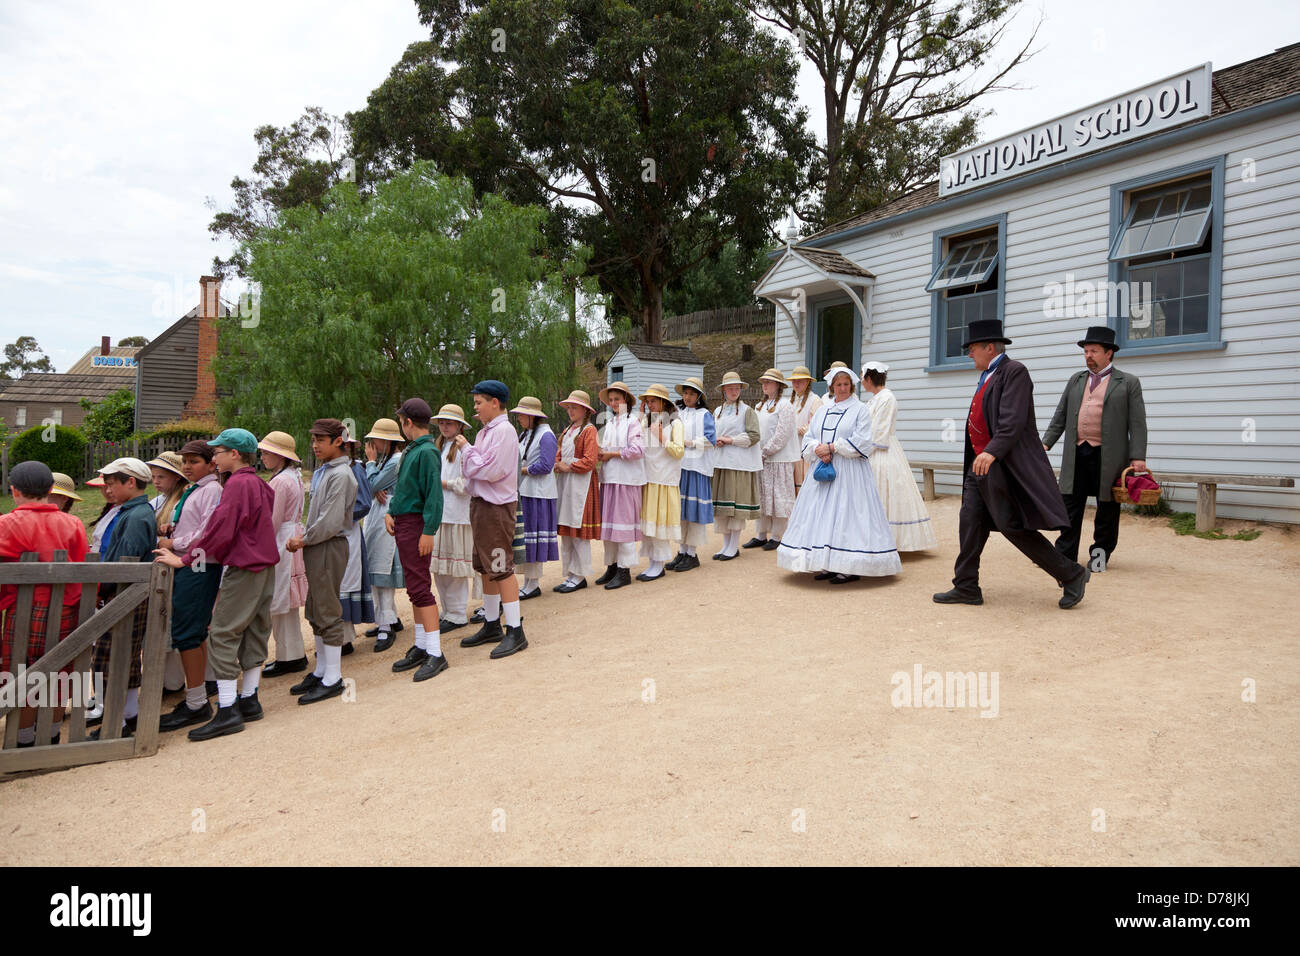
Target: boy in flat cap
<point>240,537</point>
<point>492,466</point>
<point>324,547</point>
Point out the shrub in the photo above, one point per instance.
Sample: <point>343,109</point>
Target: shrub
<point>187,428</point>
<point>110,419</point>
<point>66,453</point>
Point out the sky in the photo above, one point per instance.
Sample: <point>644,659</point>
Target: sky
<point>119,121</point>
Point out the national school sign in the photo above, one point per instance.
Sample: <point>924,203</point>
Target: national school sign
<point>1158,106</point>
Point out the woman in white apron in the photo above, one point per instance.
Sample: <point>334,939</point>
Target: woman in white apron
<point>661,499</point>
<point>780,445</point>
<point>698,435</point>
<point>383,458</point>
<point>578,491</point>
<point>453,545</point>
<point>537,493</point>
<point>279,456</point>
<point>736,466</point>
<point>908,517</point>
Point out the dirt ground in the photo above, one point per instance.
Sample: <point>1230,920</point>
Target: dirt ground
<point>739,714</point>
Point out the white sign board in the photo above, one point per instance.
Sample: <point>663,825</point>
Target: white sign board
<point>1158,106</point>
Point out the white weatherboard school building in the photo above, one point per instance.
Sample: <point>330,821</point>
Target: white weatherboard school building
<point>1171,214</point>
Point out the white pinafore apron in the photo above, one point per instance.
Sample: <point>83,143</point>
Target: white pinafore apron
<point>571,486</point>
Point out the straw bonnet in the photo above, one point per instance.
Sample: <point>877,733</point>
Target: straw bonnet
<point>387,429</point>
<point>63,485</point>
<point>660,392</point>
<point>773,375</point>
<point>833,367</point>
<point>528,405</point>
<point>282,444</point>
<point>451,413</point>
<point>616,387</point>
<point>579,397</point>
<point>168,461</point>
<point>732,378</point>
<point>691,382</point>
<point>801,371</point>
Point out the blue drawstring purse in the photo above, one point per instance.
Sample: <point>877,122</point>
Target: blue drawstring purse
<point>825,471</point>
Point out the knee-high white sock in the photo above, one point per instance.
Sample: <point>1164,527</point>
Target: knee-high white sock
<point>433,643</point>
<point>252,677</point>
<point>491,607</point>
<point>690,550</point>
<point>320,656</point>
<point>510,612</point>
<point>420,637</point>
<point>225,693</point>
<point>333,665</point>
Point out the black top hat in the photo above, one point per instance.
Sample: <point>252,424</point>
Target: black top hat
<point>1099,335</point>
<point>985,330</point>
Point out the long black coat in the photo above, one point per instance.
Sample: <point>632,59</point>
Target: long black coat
<point>1020,489</point>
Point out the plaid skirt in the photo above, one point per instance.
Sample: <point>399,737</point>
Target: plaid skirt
<point>105,644</point>
<point>35,635</point>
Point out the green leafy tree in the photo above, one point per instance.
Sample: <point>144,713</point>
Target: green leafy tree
<point>133,341</point>
<point>901,80</point>
<point>656,130</point>
<point>110,419</point>
<point>23,356</point>
<point>417,289</point>
<point>722,282</point>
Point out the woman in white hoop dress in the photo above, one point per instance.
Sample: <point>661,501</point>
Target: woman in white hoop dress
<point>908,517</point>
<point>838,530</point>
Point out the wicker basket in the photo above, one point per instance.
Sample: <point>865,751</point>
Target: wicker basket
<point>1147,496</point>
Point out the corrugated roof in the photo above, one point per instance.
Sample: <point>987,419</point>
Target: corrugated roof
<point>86,364</point>
<point>1236,88</point>
<point>663,353</point>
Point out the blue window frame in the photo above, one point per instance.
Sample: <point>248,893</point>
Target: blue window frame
<point>966,284</point>
<point>1167,249</point>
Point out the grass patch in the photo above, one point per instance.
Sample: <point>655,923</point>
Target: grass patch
<point>1184,522</point>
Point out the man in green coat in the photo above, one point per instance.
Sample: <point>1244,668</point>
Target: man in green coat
<point>1104,421</point>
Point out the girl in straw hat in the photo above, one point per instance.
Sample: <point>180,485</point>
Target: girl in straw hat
<point>537,493</point>
<point>696,486</point>
<point>578,492</point>
<point>64,491</point>
<point>736,467</point>
<point>806,403</point>
<point>170,481</point>
<point>383,456</point>
<point>780,445</point>
<point>661,500</point>
<point>280,458</point>
<point>453,545</point>
<point>908,517</point>
<point>622,451</point>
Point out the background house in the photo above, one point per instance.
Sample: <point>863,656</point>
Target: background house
<point>38,397</point>
<point>174,372</point>
<point>639,366</point>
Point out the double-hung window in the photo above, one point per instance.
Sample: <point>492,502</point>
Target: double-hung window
<point>965,284</point>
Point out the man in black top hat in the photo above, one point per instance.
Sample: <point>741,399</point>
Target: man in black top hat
<point>1008,484</point>
<point>1104,421</point>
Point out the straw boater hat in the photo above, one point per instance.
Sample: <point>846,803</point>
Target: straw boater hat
<point>579,397</point>
<point>616,387</point>
<point>282,444</point>
<point>833,367</point>
<point>801,371</point>
<point>731,378</point>
<point>63,485</point>
<point>168,461</point>
<point>387,429</point>
<point>529,406</point>
<point>773,375</point>
<point>660,392</point>
<point>451,413</point>
<point>691,382</point>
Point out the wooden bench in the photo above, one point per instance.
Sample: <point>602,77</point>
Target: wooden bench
<point>1207,486</point>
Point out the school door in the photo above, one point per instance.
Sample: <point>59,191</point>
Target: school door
<point>834,336</point>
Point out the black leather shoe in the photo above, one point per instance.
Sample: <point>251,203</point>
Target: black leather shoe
<point>772,544</point>
<point>646,576</point>
<point>374,631</point>
<point>845,578</point>
<point>211,687</point>
<point>513,642</point>
<point>249,708</point>
<point>958,597</point>
<point>280,668</point>
<point>182,716</point>
<point>725,557</point>
<point>675,563</point>
<point>322,692</point>
<point>304,685</point>
<point>445,625</point>
<point>226,722</point>
<point>609,574</point>
<point>385,642</point>
<point>620,580</point>
<point>490,632</point>
<point>529,595</point>
<point>414,658</point>
<point>1074,590</point>
<point>823,575</point>
<point>692,561</point>
<point>127,731</point>
<point>754,543</point>
<point>432,667</point>
<point>347,649</point>
<point>570,588</point>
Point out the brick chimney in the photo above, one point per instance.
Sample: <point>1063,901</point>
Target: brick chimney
<point>205,391</point>
<point>103,345</point>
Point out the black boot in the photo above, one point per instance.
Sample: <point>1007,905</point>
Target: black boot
<point>621,579</point>
<point>609,574</point>
<point>227,721</point>
<point>513,642</point>
<point>490,632</point>
<point>250,708</point>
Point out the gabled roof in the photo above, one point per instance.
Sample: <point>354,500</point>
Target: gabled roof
<point>86,364</point>
<point>662,353</point>
<point>224,310</point>
<point>1236,88</point>
<point>830,264</point>
<point>65,388</point>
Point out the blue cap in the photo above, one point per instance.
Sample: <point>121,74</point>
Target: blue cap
<point>493,389</point>
<point>238,439</point>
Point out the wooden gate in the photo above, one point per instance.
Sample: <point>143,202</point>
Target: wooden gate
<point>139,583</point>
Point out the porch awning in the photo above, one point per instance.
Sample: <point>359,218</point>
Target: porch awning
<point>802,272</point>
